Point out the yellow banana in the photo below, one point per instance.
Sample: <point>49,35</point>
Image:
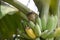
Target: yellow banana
<point>30,33</point>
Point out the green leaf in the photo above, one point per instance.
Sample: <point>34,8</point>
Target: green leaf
<point>6,10</point>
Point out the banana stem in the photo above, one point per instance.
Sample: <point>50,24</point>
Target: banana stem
<point>43,6</point>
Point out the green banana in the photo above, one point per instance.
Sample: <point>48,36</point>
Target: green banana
<point>47,34</point>
<point>37,30</point>
<point>38,20</point>
<point>23,15</point>
<point>51,25</point>
<point>55,21</point>
<point>44,34</point>
<point>43,22</point>
<point>51,35</point>
<point>52,22</point>
<point>32,25</point>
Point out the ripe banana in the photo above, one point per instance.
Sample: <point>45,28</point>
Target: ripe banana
<point>30,33</point>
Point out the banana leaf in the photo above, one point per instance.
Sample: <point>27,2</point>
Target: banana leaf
<point>5,9</point>
<point>8,21</point>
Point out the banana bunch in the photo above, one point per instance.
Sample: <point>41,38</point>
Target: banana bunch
<point>31,31</point>
<point>32,26</point>
<point>46,22</point>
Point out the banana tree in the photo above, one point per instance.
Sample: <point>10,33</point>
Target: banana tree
<point>18,22</point>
